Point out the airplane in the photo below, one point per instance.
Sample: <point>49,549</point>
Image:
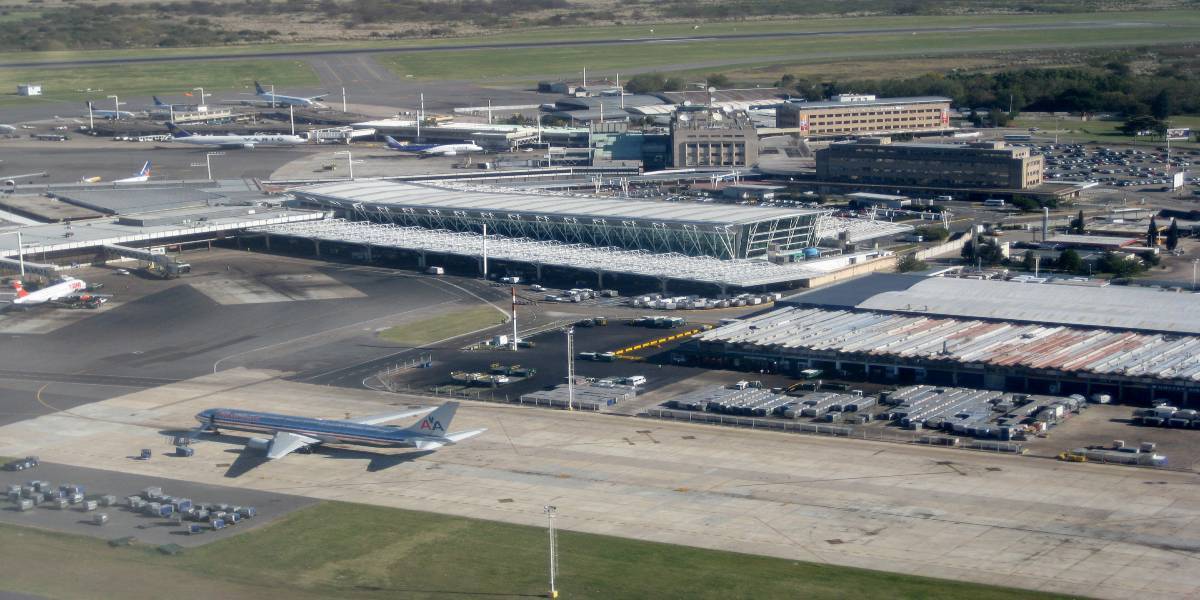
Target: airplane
<point>432,149</point>
<point>248,142</point>
<point>68,292</point>
<point>7,129</point>
<point>292,433</point>
<point>108,114</point>
<point>141,177</point>
<point>280,100</point>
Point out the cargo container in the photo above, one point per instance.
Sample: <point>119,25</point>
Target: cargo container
<point>108,500</point>
<point>195,528</point>
<point>90,505</point>
<point>100,519</point>
<point>217,524</point>
<point>24,504</point>
<point>435,271</point>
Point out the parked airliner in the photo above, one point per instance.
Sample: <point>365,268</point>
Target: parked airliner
<point>291,433</point>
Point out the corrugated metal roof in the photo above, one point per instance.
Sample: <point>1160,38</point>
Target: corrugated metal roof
<point>400,195</point>
<point>932,338</point>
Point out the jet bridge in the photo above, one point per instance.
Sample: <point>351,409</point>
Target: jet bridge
<point>14,265</point>
<point>160,264</point>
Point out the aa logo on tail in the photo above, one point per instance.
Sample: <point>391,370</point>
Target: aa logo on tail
<point>432,425</point>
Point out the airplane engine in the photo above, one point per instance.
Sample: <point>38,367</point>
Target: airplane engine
<point>260,444</point>
<point>451,153</point>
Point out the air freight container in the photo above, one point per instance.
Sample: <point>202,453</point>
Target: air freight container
<point>100,519</point>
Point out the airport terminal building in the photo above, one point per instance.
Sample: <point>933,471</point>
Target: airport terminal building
<point>719,231</point>
<point>861,114</point>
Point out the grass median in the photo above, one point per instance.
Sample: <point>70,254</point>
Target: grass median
<point>346,550</point>
<point>443,326</point>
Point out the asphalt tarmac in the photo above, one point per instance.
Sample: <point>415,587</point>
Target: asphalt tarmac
<point>156,332</point>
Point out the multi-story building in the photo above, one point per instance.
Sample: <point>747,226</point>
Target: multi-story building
<point>701,137</point>
<point>858,114</point>
<point>975,165</point>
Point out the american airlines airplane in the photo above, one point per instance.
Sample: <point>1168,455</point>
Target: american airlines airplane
<point>432,149</point>
<point>69,290</point>
<point>247,142</point>
<point>291,433</point>
<point>278,100</point>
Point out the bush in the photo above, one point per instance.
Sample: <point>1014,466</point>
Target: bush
<point>910,262</point>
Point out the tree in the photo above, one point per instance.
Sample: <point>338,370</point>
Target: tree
<point>1120,265</point>
<point>1139,123</point>
<point>1026,204</point>
<point>1152,234</point>
<point>1172,235</point>
<point>1160,106</point>
<point>1029,261</point>
<point>1079,224</point>
<point>719,80</point>
<point>1069,261</point>
<point>989,253</point>
<point>933,232</point>
<point>910,262</point>
<point>968,251</point>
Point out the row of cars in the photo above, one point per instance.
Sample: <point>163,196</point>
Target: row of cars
<point>1115,167</point>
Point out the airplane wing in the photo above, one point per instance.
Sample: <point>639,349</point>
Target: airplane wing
<point>384,418</point>
<point>287,443</point>
<point>459,436</point>
<point>319,98</point>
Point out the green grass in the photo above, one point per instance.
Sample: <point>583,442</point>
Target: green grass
<point>357,551</point>
<point>629,31</point>
<point>443,326</point>
<point>712,56</point>
<point>1074,130</point>
<point>63,84</point>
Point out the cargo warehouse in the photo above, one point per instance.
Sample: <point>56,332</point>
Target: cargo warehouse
<point>1133,344</point>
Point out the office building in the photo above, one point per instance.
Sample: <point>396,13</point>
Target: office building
<point>701,137</point>
<point>878,161</point>
<point>859,114</point>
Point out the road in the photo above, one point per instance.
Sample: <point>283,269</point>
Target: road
<point>569,43</point>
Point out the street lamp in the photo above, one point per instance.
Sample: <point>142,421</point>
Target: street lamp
<point>116,107</point>
<point>570,368</point>
<point>349,161</point>
<point>551,512</point>
<point>208,162</point>
<point>1195,261</point>
<point>91,119</point>
<point>201,90</point>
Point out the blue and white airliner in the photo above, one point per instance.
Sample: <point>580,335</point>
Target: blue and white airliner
<point>233,141</point>
<point>292,433</point>
<point>432,149</point>
<point>274,99</point>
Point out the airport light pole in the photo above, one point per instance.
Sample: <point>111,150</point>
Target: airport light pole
<point>570,368</point>
<point>116,107</point>
<point>208,162</point>
<point>349,161</point>
<point>21,252</point>
<point>1195,261</point>
<point>91,120</point>
<point>201,90</point>
<point>551,512</point>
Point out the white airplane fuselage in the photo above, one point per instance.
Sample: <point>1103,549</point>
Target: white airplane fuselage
<point>51,293</point>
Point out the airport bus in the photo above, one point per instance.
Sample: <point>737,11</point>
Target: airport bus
<point>1018,137</point>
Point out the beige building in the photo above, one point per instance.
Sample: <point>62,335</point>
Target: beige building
<point>858,114</point>
<point>975,165</point>
<point>701,137</point>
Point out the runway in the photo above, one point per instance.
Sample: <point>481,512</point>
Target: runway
<point>570,43</point>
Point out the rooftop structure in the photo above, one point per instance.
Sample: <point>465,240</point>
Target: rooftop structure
<point>85,236</point>
<point>676,267</point>
<point>720,231</point>
<point>500,136</point>
<point>1112,307</point>
<point>911,339</point>
<point>701,137</point>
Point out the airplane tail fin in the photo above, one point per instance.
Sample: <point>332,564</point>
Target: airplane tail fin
<point>437,422</point>
<point>20,289</point>
<point>145,172</point>
<point>177,131</point>
<point>259,88</point>
<point>391,142</point>
<point>158,102</point>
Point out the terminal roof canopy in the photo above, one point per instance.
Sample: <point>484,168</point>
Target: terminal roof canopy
<point>400,195</point>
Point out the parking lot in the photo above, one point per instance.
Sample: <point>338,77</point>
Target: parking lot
<point>1134,168</point>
